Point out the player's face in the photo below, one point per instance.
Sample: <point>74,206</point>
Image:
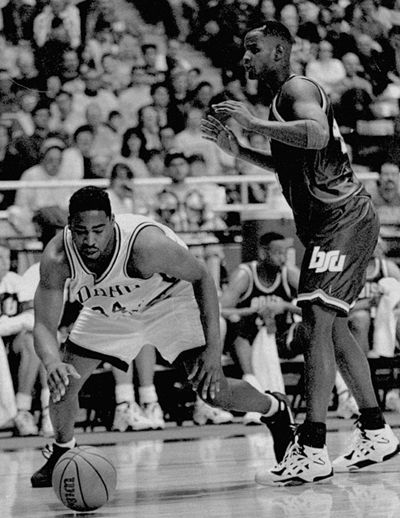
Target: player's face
<point>275,254</point>
<point>258,58</point>
<point>93,233</point>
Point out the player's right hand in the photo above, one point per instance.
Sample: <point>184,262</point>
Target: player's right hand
<point>217,132</point>
<point>58,379</point>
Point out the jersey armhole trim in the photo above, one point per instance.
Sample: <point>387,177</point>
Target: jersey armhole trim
<point>132,239</point>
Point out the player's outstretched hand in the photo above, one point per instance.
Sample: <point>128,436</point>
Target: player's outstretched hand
<point>207,373</point>
<point>58,379</point>
<point>217,132</point>
<point>236,109</point>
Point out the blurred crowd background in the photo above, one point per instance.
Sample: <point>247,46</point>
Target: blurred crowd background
<point>113,92</point>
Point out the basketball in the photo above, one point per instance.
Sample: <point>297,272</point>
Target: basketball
<point>84,478</point>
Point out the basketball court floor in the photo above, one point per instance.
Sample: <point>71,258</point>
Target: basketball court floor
<point>202,472</point>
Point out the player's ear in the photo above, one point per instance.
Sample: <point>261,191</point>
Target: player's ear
<point>279,52</point>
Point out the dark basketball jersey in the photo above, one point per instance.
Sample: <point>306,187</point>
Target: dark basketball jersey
<point>313,180</point>
<point>254,297</point>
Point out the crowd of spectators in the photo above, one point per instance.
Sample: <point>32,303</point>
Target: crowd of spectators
<point>116,90</point>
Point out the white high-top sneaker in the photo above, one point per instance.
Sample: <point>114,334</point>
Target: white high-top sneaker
<point>367,447</point>
<point>154,413</point>
<point>24,424</point>
<point>129,416</point>
<point>204,414</point>
<point>301,464</point>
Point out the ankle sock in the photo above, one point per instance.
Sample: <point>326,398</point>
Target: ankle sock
<point>69,444</point>
<point>372,418</point>
<point>312,434</point>
<point>274,406</point>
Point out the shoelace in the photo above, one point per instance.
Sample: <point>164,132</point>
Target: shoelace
<point>47,451</point>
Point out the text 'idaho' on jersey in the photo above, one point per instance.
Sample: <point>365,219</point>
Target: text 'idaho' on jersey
<point>115,294</point>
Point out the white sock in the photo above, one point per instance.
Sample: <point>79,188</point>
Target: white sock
<point>253,381</point>
<point>148,394</point>
<point>274,406</point>
<point>44,398</point>
<point>69,444</point>
<point>124,392</point>
<point>24,401</point>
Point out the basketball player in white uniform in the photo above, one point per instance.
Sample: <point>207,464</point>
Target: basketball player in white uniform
<point>138,285</point>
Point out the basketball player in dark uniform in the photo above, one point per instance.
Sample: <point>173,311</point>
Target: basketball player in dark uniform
<point>260,293</point>
<point>339,228</point>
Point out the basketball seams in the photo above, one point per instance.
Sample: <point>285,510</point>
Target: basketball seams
<point>78,479</point>
<point>99,456</point>
<point>98,473</point>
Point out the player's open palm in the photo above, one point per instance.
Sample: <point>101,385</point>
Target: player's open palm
<point>58,379</point>
<point>206,374</point>
<point>221,135</point>
<point>236,109</point>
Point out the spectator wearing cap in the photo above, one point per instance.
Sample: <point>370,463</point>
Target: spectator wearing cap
<point>47,170</point>
<point>190,141</point>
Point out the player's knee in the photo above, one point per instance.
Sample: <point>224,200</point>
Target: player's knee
<point>359,320</point>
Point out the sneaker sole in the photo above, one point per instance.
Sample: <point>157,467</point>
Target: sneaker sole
<point>296,481</point>
<point>365,463</point>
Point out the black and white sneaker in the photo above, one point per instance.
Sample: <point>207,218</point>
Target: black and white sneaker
<point>301,464</point>
<point>42,477</point>
<point>368,447</point>
<point>281,425</point>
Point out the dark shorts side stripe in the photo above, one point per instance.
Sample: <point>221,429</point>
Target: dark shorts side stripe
<point>88,353</point>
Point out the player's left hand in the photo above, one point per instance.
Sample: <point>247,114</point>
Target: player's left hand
<point>237,110</point>
<point>207,373</point>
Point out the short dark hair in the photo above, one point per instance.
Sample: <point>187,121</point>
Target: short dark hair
<point>276,29</point>
<point>267,238</point>
<point>172,156</point>
<point>85,128</point>
<point>89,198</point>
<point>120,165</point>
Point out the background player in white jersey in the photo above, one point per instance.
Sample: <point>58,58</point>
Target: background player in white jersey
<point>138,285</point>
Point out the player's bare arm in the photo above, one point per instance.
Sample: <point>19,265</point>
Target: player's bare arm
<point>215,131</point>
<point>48,306</point>
<point>237,286</point>
<point>305,124</point>
<point>153,252</point>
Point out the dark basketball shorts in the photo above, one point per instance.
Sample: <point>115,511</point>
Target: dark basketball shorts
<point>336,256</point>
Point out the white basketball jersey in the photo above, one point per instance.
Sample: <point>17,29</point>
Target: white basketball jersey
<point>114,294</point>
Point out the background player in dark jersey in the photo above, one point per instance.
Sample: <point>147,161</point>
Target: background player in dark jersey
<point>260,293</point>
<point>338,226</point>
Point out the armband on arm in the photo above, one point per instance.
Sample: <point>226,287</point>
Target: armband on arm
<point>316,137</point>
